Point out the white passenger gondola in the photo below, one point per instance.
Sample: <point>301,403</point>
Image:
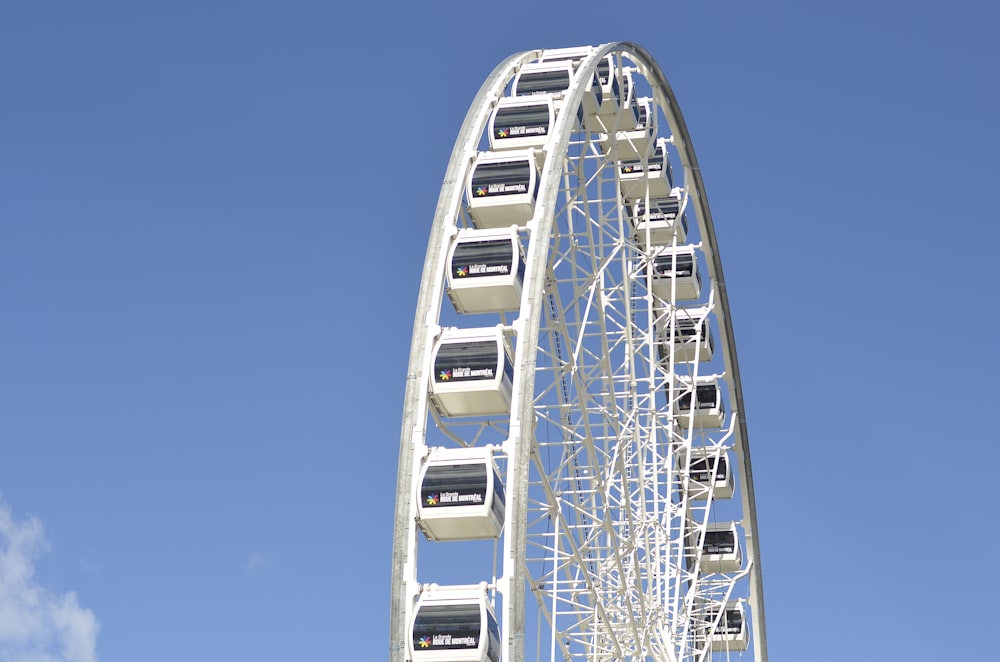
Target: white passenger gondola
<point>608,78</point>
<point>454,624</point>
<point>502,188</point>
<point>674,276</point>
<point>726,631</point>
<point>659,225</point>
<point>709,410</point>
<point>521,122</point>
<point>688,339</point>
<point>486,271</point>
<point>472,372</point>
<point>720,549</point>
<point>651,178</point>
<point>707,474</point>
<point>461,495</point>
<point>634,143</point>
<point>553,77</point>
<point>609,114</point>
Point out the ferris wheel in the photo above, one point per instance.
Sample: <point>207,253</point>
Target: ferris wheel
<point>574,471</point>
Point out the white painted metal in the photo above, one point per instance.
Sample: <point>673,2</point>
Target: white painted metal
<point>592,563</point>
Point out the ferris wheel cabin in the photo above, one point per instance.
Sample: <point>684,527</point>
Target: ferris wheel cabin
<point>473,373</point>
<point>720,549</point>
<point>553,77</point>
<point>633,144</point>
<point>608,80</point>
<point>674,275</point>
<point>522,122</point>
<point>731,633</point>
<point>486,271</point>
<point>707,474</point>
<point>461,495</point>
<point>708,411</point>
<point>454,624</point>
<point>659,224</point>
<point>650,176</point>
<point>502,188</point>
<point>691,337</point>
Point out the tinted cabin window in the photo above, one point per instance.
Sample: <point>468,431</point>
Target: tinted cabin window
<point>542,82</point>
<point>642,117</point>
<point>454,485</point>
<point>498,497</point>
<point>702,469</point>
<point>503,178</point>
<point>604,71</point>
<point>654,164</point>
<point>730,623</point>
<point>493,632</point>
<point>660,209</point>
<point>679,264</point>
<point>522,121</point>
<point>707,397</point>
<point>443,627</point>
<point>719,542</point>
<point>465,361</point>
<point>482,258</point>
<point>688,330</point>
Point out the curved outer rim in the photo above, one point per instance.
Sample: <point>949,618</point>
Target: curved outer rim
<point>527,328</point>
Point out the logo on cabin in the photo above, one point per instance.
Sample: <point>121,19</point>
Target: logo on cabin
<point>432,499</point>
<point>627,168</point>
<point>461,271</point>
<point>502,133</point>
<point>481,191</point>
<point>424,642</point>
<point>444,375</point>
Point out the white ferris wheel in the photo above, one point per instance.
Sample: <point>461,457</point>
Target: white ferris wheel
<point>574,471</point>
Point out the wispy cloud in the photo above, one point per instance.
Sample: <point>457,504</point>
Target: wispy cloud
<point>256,563</point>
<point>37,624</point>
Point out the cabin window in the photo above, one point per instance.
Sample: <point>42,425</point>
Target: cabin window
<point>731,622</point>
<point>680,265</point>
<point>445,627</point>
<point>465,361</point>
<point>482,258</point>
<point>703,469</point>
<point>642,117</point>
<point>542,82</point>
<point>707,397</point>
<point>454,485</point>
<point>521,121</point>
<point>501,178</point>
<point>603,71</point>
<point>719,542</point>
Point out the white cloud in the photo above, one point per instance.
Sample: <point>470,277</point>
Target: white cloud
<point>256,563</point>
<point>37,624</point>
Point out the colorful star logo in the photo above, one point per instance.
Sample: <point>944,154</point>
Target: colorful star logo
<point>432,499</point>
<point>503,133</point>
<point>424,642</point>
<point>626,169</point>
<point>461,271</point>
<point>444,375</point>
<point>481,191</point>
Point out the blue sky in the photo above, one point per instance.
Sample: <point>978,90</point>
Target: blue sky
<point>213,218</point>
